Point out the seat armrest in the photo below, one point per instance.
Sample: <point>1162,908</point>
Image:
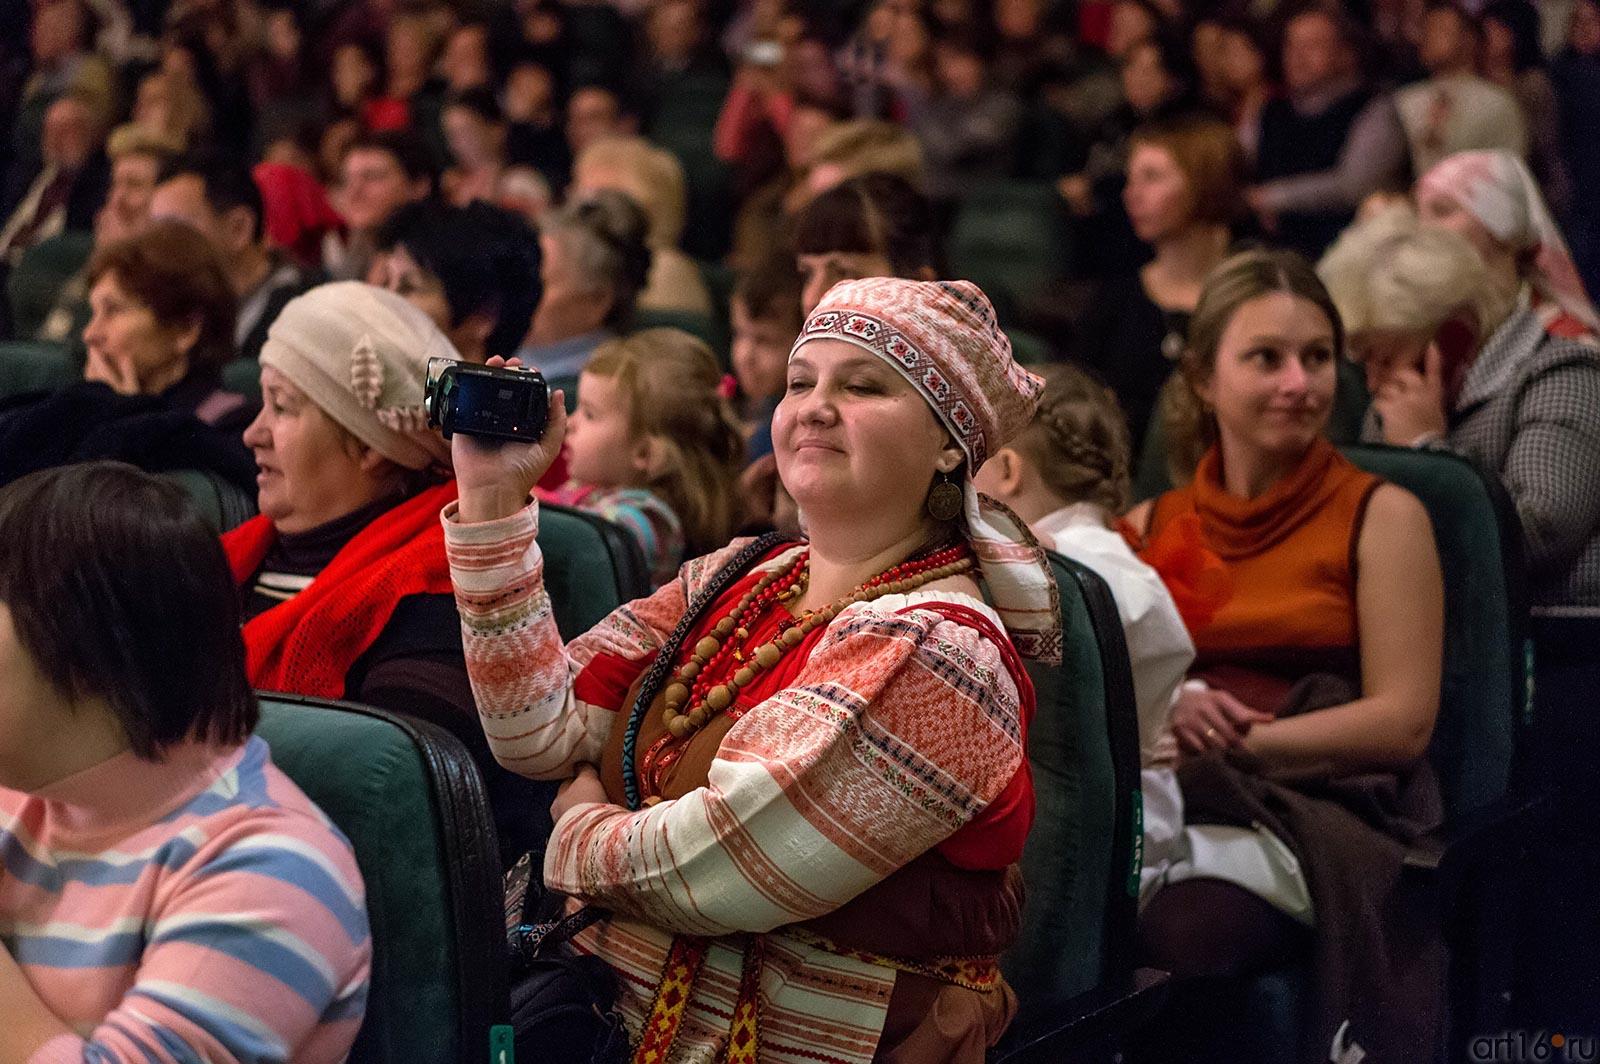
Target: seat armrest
<point>1465,842</point>
<point>1107,1012</point>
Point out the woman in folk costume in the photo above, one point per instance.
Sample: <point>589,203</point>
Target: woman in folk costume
<point>812,786</point>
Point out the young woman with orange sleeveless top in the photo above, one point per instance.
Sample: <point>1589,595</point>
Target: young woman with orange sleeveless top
<point>1308,713</point>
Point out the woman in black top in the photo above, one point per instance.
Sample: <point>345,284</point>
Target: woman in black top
<point>1183,198</point>
<point>152,392</point>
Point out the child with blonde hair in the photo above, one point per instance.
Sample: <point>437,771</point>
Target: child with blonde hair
<point>655,447</point>
<point>1067,476</point>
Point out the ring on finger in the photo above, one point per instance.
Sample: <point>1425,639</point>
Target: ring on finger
<point>1211,733</point>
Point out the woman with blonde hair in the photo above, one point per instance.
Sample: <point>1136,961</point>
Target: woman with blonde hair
<point>654,179</point>
<point>1455,360</point>
<point>654,446</point>
<point>1316,679</point>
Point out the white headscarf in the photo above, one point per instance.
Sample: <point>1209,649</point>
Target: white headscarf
<point>1497,189</point>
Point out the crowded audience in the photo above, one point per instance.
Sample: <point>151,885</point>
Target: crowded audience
<point>914,291</point>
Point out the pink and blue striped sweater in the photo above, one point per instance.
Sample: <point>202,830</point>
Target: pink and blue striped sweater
<point>199,909</point>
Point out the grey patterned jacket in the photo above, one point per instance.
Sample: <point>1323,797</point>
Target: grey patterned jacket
<point>1530,410</point>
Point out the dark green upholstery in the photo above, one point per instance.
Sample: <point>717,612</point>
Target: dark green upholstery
<point>411,802</point>
<point>701,326</point>
<point>36,282</point>
<point>1484,687</point>
<point>568,387</point>
<point>222,505</point>
<point>682,119</point>
<point>1010,238</point>
<point>720,279</point>
<point>1081,860</point>
<point>243,375</point>
<point>591,566</point>
<point>36,365</point>
<point>1029,349</point>
<point>1047,142</point>
<point>1350,402</point>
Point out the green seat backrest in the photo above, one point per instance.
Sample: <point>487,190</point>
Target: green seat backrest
<point>1010,238</point>
<point>591,566</point>
<point>39,276</point>
<point>1029,349</point>
<point>1350,402</point>
<point>682,121</point>
<point>1484,691</point>
<point>568,387</point>
<point>1080,864</point>
<point>36,365</point>
<point>243,375</point>
<point>411,803</point>
<point>222,504</point>
<point>701,326</point>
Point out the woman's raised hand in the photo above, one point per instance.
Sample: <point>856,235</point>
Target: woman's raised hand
<point>116,373</point>
<point>496,477</point>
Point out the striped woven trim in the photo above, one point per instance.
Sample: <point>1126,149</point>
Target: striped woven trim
<point>974,973</point>
<point>878,337</point>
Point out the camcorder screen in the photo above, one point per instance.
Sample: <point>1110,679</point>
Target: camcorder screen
<point>482,401</point>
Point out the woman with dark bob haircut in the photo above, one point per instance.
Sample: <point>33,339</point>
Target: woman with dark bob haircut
<point>160,330</point>
<point>132,795</point>
<point>874,225</point>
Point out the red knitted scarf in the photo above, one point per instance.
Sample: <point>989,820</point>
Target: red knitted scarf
<point>307,645</point>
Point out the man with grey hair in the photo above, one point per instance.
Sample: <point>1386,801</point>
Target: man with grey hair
<point>595,262</point>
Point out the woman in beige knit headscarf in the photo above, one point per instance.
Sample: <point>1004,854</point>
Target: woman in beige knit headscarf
<point>346,590</point>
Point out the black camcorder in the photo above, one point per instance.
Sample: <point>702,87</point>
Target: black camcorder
<point>494,403</point>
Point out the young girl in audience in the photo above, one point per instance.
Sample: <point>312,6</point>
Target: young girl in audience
<point>655,447</point>
<point>1066,474</point>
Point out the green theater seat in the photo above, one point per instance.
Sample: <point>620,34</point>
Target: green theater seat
<point>591,566</point>
<point>243,375</point>
<point>1010,238</point>
<point>36,366</point>
<point>1073,965</point>
<point>222,504</point>
<point>410,801</point>
<point>39,276</point>
<point>702,327</point>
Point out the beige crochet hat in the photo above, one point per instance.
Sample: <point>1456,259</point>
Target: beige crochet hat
<point>361,354</point>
